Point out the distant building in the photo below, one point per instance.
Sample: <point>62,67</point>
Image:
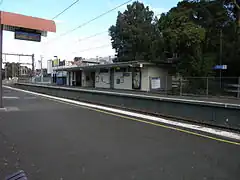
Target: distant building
<point>24,71</point>
<point>12,70</point>
<point>44,71</point>
<point>16,70</point>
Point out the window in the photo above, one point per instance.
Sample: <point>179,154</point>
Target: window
<point>103,70</point>
<point>125,69</point>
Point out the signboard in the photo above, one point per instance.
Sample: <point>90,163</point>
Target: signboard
<point>220,67</point>
<point>62,63</point>
<point>55,62</point>
<point>155,83</point>
<point>61,74</point>
<point>28,36</point>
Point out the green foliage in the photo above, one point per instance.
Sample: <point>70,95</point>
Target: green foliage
<point>190,31</point>
<point>132,35</point>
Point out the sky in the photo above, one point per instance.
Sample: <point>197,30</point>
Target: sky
<point>73,44</point>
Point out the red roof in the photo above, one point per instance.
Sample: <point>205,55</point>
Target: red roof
<point>19,20</point>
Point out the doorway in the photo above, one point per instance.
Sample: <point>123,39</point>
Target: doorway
<point>78,78</point>
<point>111,78</point>
<point>93,78</point>
<point>136,78</point>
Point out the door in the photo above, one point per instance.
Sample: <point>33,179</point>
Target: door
<point>93,78</point>
<point>136,78</point>
<point>112,78</point>
<point>78,78</point>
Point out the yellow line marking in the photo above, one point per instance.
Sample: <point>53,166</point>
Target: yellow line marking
<point>151,123</point>
<point>145,121</point>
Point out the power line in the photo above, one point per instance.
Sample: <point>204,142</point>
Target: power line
<point>75,2</point>
<point>91,36</point>
<point>88,49</point>
<point>99,16</point>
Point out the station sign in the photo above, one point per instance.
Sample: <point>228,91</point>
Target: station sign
<point>222,67</point>
<point>27,36</point>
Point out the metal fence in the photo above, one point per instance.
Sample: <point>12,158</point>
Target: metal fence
<point>187,86</point>
<point>36,80</point>
<point>197,86</point>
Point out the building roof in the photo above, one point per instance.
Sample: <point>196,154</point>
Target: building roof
<point>99,66</point>
<point>11,21</point>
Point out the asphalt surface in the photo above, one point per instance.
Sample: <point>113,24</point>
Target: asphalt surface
<point>52,140</point>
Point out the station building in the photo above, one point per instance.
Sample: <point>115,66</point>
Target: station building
<point>133,75</point>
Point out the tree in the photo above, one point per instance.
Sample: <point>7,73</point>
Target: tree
<point>199,33</point>
<point>133,34</point>
<point>192,31</point>
<point>184,38</point>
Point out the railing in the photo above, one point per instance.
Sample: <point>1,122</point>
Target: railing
<point>187,86</point>
<point>198,86</point>
<point>36,80</point>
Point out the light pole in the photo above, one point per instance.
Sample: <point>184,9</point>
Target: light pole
<point>1,42</point>
<point>40,61</point>
<point>220,56</point>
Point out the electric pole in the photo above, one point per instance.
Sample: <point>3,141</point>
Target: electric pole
<point>220,56</point>
<point>40,61</point>
<point>1,43</point>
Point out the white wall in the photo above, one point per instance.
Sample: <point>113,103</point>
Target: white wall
<point>68,78</point>
<point>72,77</point>
<point>49,67</point>
<point>165,78</point>
<point>102,80</point>
<point>125,81</point>
<point>145,79</point>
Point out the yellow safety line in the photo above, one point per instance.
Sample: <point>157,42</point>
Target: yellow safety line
<point>151,123</point>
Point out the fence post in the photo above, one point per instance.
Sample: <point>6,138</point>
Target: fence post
<point>238,93</point>
<point>180,86</point>
<point>207,87</point>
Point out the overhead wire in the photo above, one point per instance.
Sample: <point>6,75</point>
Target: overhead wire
<point>75,2</point>
<point>91,20</point>
<point>63,11</point>
<point>87,22</point>
<point>91,36</point>
<point>99,33</point>
<point>103,46</point>
<point>102,32</point>
<point>89,49</point>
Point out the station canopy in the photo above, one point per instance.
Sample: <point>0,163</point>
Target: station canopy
<point>15,22</point>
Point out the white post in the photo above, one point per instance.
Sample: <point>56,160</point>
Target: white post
<point>67,79</point>
<point>71,78</point>
<point>41,68</point>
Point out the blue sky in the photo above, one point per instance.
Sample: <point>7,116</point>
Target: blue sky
<point>68,46</point>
